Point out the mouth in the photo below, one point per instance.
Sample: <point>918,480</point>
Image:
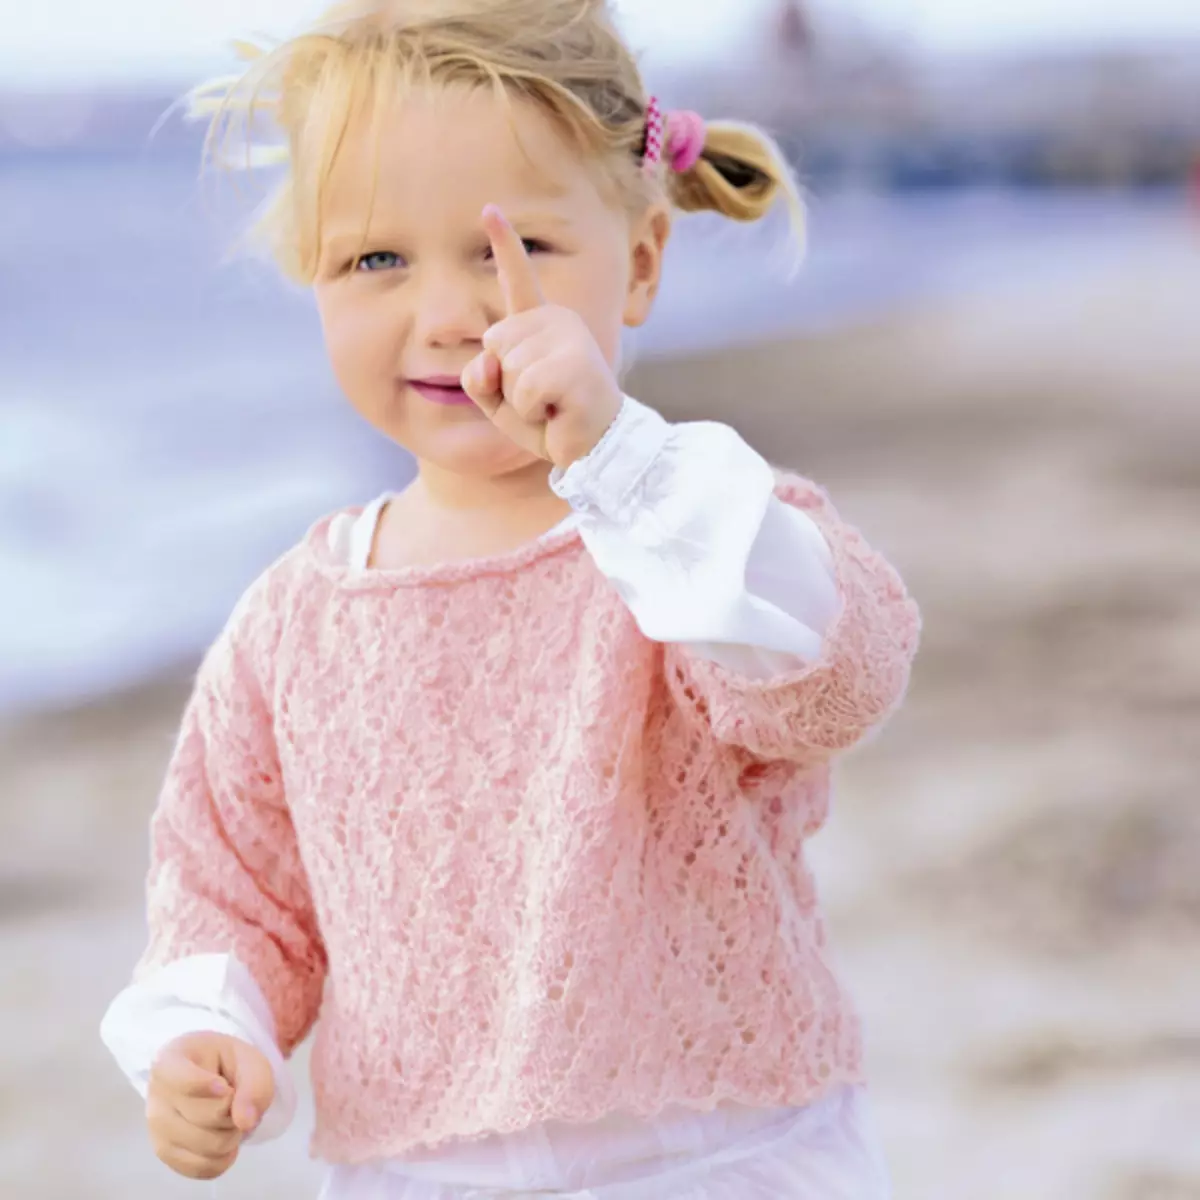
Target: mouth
<point>441,389</point>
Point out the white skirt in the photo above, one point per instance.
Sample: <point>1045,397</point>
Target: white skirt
<point>826,1151</point>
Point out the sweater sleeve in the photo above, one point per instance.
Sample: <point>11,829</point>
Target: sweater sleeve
<point>226,875</point>
<point>858,679</point>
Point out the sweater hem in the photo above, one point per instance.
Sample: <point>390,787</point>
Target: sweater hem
<point>327,1147</point>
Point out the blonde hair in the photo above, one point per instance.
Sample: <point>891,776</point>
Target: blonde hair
<point>565,56</point>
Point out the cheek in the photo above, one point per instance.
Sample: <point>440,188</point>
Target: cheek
<point>359,339</point>
<point>599,297</point>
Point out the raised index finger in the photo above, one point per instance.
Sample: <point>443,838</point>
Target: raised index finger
<point>518,279</point>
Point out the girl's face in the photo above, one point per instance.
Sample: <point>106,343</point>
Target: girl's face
<point>413,301</point>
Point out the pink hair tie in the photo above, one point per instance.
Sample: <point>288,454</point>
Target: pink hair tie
<point>681,135</point>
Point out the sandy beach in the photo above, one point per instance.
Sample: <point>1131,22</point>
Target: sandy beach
<point>1011,870</point>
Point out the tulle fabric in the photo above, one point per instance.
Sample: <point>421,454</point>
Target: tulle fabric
<point>827,1151</point>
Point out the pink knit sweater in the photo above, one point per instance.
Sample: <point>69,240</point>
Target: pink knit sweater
<point>526,863</point>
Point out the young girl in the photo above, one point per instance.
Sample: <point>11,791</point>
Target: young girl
<point>509,776</point>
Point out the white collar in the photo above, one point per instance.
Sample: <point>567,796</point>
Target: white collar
<point>352,538</point>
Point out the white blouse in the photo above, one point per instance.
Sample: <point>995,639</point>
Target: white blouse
<point>683,520</point>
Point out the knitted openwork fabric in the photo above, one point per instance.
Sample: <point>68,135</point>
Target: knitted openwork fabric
<point>525,863</point>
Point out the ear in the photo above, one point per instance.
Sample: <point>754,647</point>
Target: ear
<point>647,243</point>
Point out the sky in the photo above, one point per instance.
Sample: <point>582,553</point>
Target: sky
<point>74,41</point>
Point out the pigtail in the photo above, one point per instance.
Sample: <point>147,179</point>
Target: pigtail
<point>741,174</point>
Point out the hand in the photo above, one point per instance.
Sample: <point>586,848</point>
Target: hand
<point>541,377</point>
<point>207,1092</point>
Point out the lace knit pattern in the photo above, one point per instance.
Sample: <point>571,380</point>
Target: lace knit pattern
<point>525,863</point>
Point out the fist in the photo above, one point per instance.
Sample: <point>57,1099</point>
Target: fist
<point>207,1093</point>
<point>541,377</point>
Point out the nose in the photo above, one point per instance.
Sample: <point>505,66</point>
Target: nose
<point>451,309</point>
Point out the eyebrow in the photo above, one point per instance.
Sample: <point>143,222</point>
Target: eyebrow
<point>554,220</point>
<point>343,243</point>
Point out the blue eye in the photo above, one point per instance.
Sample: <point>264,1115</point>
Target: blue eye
<point>379,260</point>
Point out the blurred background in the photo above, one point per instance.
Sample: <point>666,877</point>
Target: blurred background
<point>991,358</point>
